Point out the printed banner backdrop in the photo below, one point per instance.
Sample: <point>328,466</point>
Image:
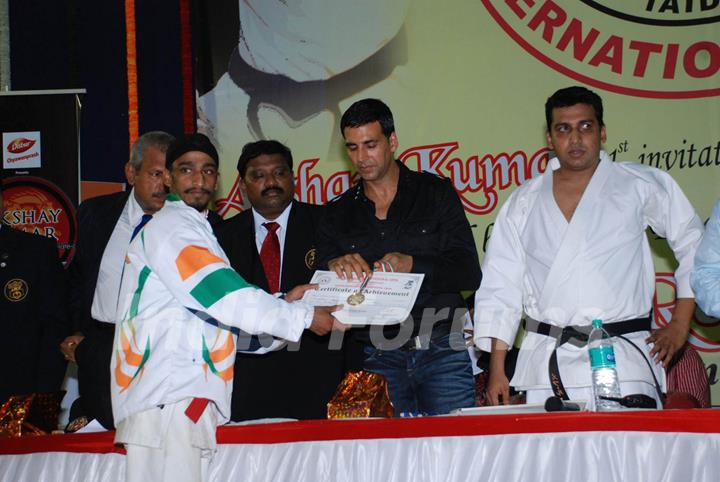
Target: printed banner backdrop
<point>467,81</point>
<point>40,139</point>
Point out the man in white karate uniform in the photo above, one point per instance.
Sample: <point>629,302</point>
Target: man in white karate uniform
<point>174,353</point>
<point>570,246</point>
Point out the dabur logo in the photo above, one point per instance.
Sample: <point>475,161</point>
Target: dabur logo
<point>20,145</point>
<point>21,150</point>
<point>647,48</point>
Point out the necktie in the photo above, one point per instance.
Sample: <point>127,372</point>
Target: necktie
<point>143,222</point>
<point>270,257</point>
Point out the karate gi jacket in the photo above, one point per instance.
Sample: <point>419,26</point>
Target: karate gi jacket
<point>598,265</point>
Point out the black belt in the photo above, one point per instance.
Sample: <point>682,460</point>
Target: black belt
<point>578,335</point>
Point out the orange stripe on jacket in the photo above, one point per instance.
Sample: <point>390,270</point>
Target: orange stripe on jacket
<point>131,358</point>
<point>194,258</point>
<point>122,380</point>
<point>224,351</point>
<point>227,374</point>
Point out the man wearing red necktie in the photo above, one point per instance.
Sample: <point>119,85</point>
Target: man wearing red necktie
<point>272,245</point>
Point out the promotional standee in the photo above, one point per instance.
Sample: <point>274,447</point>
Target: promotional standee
<point>40,142</point>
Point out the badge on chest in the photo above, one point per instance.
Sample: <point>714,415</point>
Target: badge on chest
<point>16,290</point>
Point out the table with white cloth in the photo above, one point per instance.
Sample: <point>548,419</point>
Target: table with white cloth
<point>670,445</point>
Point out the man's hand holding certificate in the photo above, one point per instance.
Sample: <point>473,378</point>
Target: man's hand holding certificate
<point>385,298</point>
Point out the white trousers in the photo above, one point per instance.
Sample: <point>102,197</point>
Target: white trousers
<point>183,451</point>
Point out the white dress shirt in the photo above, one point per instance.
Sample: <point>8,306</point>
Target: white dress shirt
<point>705,278</point>
<point>108,282</point>
<point>261,231</point>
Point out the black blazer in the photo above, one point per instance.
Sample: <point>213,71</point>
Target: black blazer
<point>285,383</point>
<point>97,218</point>
<point>237,238</point>
<point>33,314</point>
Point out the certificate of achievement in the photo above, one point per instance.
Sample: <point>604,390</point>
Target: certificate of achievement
<point>384,299</point>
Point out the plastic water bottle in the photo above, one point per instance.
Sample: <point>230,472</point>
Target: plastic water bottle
<point>602,364</point>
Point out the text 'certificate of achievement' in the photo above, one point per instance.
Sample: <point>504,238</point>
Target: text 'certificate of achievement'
<point>385,299</point>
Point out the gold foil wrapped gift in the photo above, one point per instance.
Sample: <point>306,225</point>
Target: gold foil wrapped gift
<point>34,414</point>
<point>361,394</point>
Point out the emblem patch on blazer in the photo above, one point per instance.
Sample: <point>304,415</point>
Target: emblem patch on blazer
<point>310,258</point>
<point>15,290</point>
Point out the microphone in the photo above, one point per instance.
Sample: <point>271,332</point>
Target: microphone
<point>637,400</point>
<point>557,404</point>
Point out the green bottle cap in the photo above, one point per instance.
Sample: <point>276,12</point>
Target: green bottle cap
<point>597,323</point>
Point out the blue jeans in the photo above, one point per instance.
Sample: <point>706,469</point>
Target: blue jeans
<point>433,381</point>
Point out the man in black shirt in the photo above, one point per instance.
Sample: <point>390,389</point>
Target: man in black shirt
<point>404,221</point>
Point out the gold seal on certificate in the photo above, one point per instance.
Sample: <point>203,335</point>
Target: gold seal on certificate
<point>358,297</point>
<point>355,299</point>
<point>385,298</point>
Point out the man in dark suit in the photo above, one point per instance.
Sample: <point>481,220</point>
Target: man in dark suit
<point>106,224</point>
<point>32,310</point>
<point>297,381</point>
